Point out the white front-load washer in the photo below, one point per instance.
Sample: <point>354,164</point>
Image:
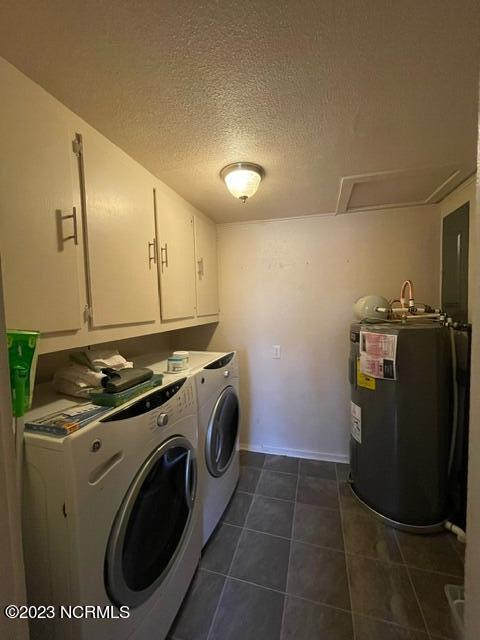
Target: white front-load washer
<point>112,519</point>
<point>218,427</point>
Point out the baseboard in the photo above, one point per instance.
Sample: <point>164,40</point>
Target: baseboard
<point>297,453</point>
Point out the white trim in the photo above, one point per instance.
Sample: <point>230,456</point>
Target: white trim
<point>463,185</point>
<point>306,216</point>
<point>385,207</point>
<point>441,188</point>
<point>321,216</point>
<point>297,453</point>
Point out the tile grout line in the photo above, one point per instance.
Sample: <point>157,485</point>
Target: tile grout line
<point>318,603</point>
<point>287,473</point>
<point>401,563</point>
<point>282,624</point>
<point>309,504</point>
<point>212,624</point>
<point>417,600</point>
<point>264,495</point>
<point>285,594</point>
<point>283,473</point>
<point>347,569</point>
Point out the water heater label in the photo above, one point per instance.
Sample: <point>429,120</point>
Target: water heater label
<point>356,422</point>
<point>378,355</point>
<point>364,381</point>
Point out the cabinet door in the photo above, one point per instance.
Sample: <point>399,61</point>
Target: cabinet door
<point>38,239</point>
<point>206,263</point>
<point>176,255</point>
<point>120,245</point>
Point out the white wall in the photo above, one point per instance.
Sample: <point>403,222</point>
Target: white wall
<point>292,283</point>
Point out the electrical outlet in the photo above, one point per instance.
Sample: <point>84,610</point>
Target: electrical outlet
<point>276,352</point>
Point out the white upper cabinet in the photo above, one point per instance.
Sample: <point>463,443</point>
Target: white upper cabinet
<point>120,236</point>
<point>81,259</point>
<point>39,227</point>
<point>176,255</point>
<point>206,266</point>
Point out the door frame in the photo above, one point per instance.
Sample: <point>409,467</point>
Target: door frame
<point>12,585</point>
<point>472,561</point>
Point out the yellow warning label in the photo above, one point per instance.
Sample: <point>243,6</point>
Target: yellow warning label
<point>364,381</point>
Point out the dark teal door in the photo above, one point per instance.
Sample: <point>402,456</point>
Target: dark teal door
<point>455,263</point>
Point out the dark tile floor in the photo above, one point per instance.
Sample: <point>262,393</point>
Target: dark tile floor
<point>297,557</point>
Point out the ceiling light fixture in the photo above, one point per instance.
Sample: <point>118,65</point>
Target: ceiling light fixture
<point>242,179</point>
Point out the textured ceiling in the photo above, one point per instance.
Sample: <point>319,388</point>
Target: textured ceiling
<point>311,90</point>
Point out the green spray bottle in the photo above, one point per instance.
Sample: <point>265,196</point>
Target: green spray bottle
<point>22,356</point>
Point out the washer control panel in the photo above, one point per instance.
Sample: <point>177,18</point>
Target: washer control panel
<point>221,362</point>
<point>171,400</point>
<point>162,419</point>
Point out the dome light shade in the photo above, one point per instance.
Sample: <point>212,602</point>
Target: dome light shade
<point>242,179</point>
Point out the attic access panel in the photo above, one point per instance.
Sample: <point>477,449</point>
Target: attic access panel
<point>392,189</point>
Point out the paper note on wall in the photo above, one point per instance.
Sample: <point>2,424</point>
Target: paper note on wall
<point>378,355</point>
<point>356,422</point>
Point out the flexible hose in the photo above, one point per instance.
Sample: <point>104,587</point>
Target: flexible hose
<point>457,531</point>
<point>455,400</point>
<point>409,284</point>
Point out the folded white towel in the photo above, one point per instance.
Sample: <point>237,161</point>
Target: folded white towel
<point>83,373</point>
<point>77,380</point>
<point>77,373</point>
<point>71,389</point>
<point>101,358</point>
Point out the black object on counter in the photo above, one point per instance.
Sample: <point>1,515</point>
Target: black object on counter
<point>122,379</point>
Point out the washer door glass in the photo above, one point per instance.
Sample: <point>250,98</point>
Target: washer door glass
<point>222,433</point>
<point>151,524</point>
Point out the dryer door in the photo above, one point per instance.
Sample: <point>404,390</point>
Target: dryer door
<point>151,524</point>
<point>222,432</point>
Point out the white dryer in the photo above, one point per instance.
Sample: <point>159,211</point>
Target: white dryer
<point>112,517</point>
<point>218,427</point>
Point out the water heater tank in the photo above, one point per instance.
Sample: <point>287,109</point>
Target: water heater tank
<point>401,424</point>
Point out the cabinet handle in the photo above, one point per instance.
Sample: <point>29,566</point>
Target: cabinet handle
<point>61,218</point>
<point>164,260</point>
<point>201,270</point>
<point>152,252</point>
